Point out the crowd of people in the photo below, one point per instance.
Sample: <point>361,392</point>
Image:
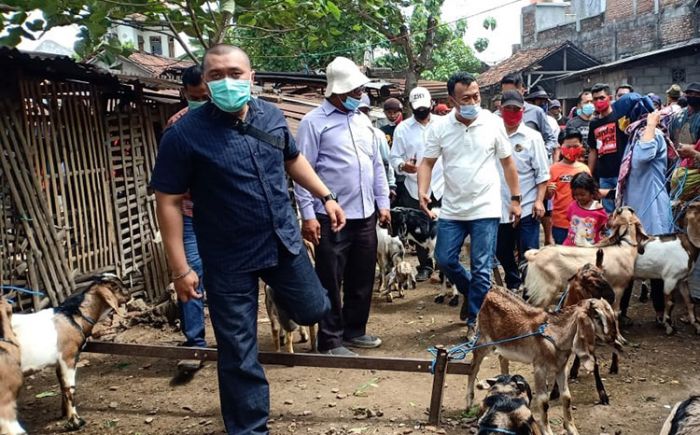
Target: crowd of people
<point>496,177</point>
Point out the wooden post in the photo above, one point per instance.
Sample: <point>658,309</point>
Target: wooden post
<point>438,386</point>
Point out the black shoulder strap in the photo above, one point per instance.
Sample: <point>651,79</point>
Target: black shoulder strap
<point>252,131</point>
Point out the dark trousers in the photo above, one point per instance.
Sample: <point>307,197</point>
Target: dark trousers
<point>657,296</point>
<point>233,305</point>
<point>192,311</point>
<point>346,259</point>
<point>404,199</point>
<point>522,237</point>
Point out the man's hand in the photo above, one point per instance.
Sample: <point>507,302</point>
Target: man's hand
<point>687,151</point>
<point>384,217</point>
<point>424,203</point>
<point>392,195</point>
<point>311,230</point>
<point>515,212</point>
<point>186,287</point>
<point>538,210</point>
<point>335,214</point>
<point>409,168</point>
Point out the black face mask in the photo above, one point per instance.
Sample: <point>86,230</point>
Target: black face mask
<point>693,101</point>
<point>422,113</point>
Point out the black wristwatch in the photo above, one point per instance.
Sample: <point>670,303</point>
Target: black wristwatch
<point>518,198</point>
<point>330,197</point>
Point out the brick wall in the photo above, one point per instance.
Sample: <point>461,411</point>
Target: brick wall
<point>618,32</point>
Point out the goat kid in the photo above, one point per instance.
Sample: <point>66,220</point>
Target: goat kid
<point>547,268</point>
<point>55,336</point>
<point>282,326</point>
<point>573,330</point>
<point>10,373</point>
<point>506,407</point>
<point>684,418</point>
<point>390,252</point>
<point>401,276</point>
<point>672,258</point>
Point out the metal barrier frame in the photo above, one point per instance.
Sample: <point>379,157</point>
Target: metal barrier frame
<point>441,364</point>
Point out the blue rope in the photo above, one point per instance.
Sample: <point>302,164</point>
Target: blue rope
<point>496,430</point>
<point>460,351</point>
<point>22,290</point>
<point>561,300</point>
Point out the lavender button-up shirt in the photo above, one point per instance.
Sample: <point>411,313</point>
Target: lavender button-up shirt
<point>342,149</point>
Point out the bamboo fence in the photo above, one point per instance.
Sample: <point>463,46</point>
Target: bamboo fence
<point>74,202</point>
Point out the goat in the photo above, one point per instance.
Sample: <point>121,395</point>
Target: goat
<point>401,276</point>
<point>281,325</point>
<point>572,330</point>
<point>672,258</point>
<point>684,418</point>
<point>10,373</point>
<point>589,282</point>
<point>55,336</point>
<point>506,407</point>
<point>549,267</point>
<point>390,252</point>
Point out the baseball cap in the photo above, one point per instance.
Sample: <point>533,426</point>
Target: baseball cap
<point>554,103</point>
<point>420,97</point>
<point>342,76</point>
<point>512,98</point>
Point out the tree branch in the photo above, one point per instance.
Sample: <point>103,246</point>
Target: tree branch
<point>425,57</point>
<point>195,25</point>
<point>179,39</point>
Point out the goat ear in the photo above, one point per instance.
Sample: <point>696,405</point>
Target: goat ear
<point>641,235</point>
<point>584,341</point>
<point>107,296</point>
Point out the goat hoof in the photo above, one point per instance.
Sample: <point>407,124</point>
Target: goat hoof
<point>454,301</point>
<point>670,330</point>
<point>439,299</point>
<point>74,423</point>
<point>604,400</point>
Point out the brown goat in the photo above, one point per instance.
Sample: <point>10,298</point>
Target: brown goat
<point>10,373</point>
<point>573,330</point>
<point>55,336</point>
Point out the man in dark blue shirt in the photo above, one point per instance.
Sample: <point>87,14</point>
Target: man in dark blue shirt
<point>244,223</point>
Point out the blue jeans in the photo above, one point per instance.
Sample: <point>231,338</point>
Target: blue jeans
<point>559,234</point>
<point>192,311</point>
<point>608,183</point>
<point>476,282</point>
<point>233,305</point>
<point>523,237</point>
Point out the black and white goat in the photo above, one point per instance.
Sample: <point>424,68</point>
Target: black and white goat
<point>10,373</point>
<point>390,252</point>
<point>55,336</point>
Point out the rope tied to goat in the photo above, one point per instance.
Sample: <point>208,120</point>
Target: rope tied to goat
<point>460,351</point>
<point>22,290</point>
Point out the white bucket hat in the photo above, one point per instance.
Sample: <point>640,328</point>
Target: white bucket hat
<point>420,97</point>
<point>342,76</point>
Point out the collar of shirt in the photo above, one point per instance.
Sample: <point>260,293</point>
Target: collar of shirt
<point>479,120</point>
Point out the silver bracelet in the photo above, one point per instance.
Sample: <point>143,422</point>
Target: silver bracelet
<point>182,275</point>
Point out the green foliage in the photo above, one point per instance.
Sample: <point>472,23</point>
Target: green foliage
<point>451,57</point>
<point>481,44</point>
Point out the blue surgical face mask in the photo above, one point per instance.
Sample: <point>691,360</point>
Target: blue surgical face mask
<point>588,109</point>
<point>194,104</point>
<point>351,104</point>
<point>229,95</point>
<point>469,111</point>
<point>578,112</point>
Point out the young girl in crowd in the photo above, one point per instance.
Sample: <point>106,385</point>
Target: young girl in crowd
<point>559,188</point>
<point>586,214</point>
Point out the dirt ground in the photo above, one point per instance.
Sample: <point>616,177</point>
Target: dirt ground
<point>120,395</point>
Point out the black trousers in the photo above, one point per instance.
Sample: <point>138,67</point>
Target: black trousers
<point>404,199</point>
<point>345,263</point>
<point>657,296</point>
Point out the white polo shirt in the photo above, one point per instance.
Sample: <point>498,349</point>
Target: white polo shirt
<point>531,159</point>
<point>409,142</point>
<point>470,159</point>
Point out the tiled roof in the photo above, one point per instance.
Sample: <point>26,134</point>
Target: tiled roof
<point>157,65</point>
<point>519,61</point>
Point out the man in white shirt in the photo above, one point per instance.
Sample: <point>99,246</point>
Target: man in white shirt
<point>472,142</point>
<point>406,155</point>
<point>530,157</point>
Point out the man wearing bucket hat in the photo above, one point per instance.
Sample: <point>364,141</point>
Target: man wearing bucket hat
<point>406,155</point>
<point>339,143</point>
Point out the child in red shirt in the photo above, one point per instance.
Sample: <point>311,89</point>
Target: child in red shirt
<point>586,214</point>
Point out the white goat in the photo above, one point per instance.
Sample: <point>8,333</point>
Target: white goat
<point>401,276</point>
<point>10,373</point>
<point>672,258</point>
<point>572,330</point>
<point>390,252</point>
<point>55,336</point>
<point>549,268</point>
